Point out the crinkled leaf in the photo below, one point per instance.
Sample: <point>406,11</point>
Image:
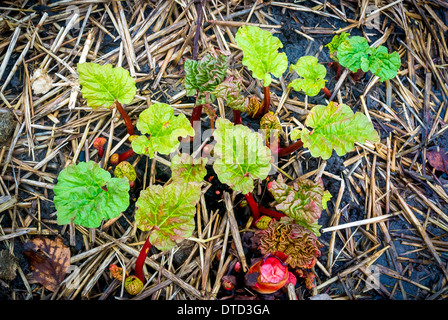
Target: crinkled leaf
<point>335,127</point>
<point>303,200</point>
<point>260,53</point>
<point>125,169</point>
<point>49,260</point>
<point>88,194</point>
<point>163,128</point>
<point>186,169</point>
<point>352,52</point>
<point>312,75</point>
<point>242,156</point>
<point>204,75</point>
<point>382,64</point>
<point>230,91</point>
<point>336,42</point>
<point>169,212</point>
<point>103,84</point>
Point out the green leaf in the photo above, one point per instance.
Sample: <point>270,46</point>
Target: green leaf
<point>383,64</point>
<point>260,53</point>
<point>125,169</point>
<point>242,156</point>
<point>333,46</point>
<point>186,169</point>
<point>303,200</point>
<point>204,75</point>
<point>230,91</point>
<point>312,73</point>
<point>102,84</point>
<point>352,52</point>
<point>163,128</point>
<point>336,127</point>
<point>88,194</point>
<point>169,212</point>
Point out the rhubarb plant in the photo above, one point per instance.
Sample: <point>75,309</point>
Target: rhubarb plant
<point>297,245</point>
<point>261,56</point>
<point>311,76</point>
<point>242,157</point>
<point>105,86</point>
<point>230,91</point>
<point>355,54</point>
<point>334,126</point>
<point>163,129</point>
<point>303,200</point>
<point>184,168</point>
<point>202,77</point>
<point>87,194</point>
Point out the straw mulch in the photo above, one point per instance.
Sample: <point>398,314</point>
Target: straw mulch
<point>389,211</point>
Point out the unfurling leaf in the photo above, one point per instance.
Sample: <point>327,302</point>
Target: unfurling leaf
<point>267,275</point>
<point>117,272</point>
<point>382,64</point>
<point>312,75</point>
<point>133,285</point>
<point>260,53</point>
<point>302,201</point>
<point>352,52</point>
<point>49,260</point>
<point>163,128</point>
<point>333,46</point>
<point>298,243</point>
<point>335,127</point>
<point>230,91</point>
<point>125,169</point>
<point>186,169</point>
<point>204,75</point>
<point>242,156</point>
<point>102,84</point>
<point>169,212</point>
<point>88,194</point>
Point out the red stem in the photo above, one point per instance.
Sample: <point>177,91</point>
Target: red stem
<point>141,260</point>
<point>327,92</point>
<point>122,157</point>
<point>356,76</point>
<point>253,207</point>
<point>236,117</point>
<point>100,151</point>
<point>281,152</point>
<point>337,68</point>
<point>272,213</point>
<point>267,100</point>
<point>127,120</point>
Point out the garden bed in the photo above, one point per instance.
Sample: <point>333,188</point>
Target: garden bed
<point>384,230</point>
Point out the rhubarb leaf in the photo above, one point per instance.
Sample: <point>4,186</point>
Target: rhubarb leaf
<point>102,84</point>
<point>260,53</point>
<point>382,64</point>
<point>242,156</point>
<point>333,46</point>
<point>335,127</point>
<point>303,200</point>
<point>88,194</point>
<point>230,91</point>
<point>204,75</point>
<point>352,52</point>
<point>163,128</point>
<point>186,169</point>
<point>312,75</point>
<point>169,212</point>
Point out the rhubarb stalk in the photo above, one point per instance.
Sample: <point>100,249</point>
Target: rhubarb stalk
<point>272,213</point>
<point>266,100</point>
<point>141,260</point>
<point>236,117</point>
<point>127,120</point>
<point>327,92</point>
<point>253,206</point>
<point>117,158</point>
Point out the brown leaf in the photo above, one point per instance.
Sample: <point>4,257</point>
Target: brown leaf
<point>49,260</point>
<point>438,159</point>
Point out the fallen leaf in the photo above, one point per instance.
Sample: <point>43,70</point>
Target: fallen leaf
<point>438,159</point>
<point>8,265</point>
<point>49,260</point>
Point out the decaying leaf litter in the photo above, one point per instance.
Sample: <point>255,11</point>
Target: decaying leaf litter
<point>389,208</point>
